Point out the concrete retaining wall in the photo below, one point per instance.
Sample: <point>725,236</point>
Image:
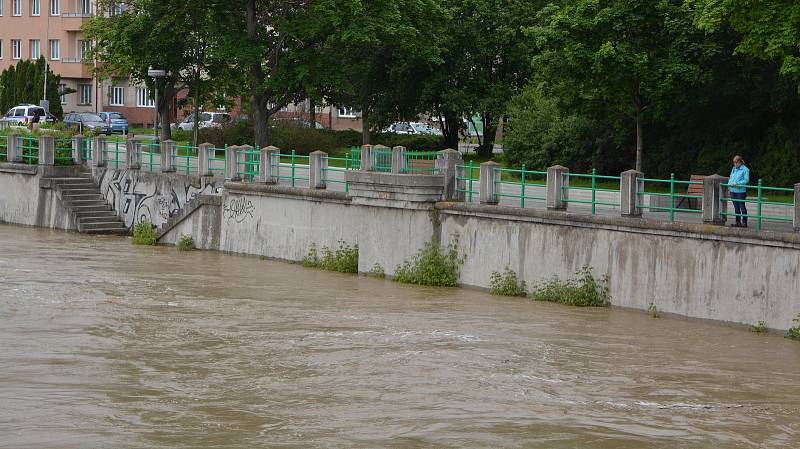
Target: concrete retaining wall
<point>201,218</point>
<point>27,197</point>
<point>142,196</point>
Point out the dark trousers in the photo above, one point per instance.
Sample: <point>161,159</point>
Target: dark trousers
<point>739,206</point>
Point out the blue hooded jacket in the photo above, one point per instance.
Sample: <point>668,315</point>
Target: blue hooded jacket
<point>739,176</point>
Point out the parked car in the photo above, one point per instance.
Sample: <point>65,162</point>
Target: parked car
<point>299,122</point>
<point>83,121</point>
<point>207,120</point>
<point>118,122</point>
<point>412,128</point>
<point>23,114</point>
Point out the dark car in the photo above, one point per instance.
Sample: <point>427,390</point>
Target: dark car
<point>86,121</point>
<point>118,122</point>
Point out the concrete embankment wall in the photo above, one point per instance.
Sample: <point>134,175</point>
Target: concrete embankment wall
<point>27,196</point>
<point>138,195</point>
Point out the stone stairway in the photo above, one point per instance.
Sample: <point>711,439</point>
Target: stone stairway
<point>92,212</point>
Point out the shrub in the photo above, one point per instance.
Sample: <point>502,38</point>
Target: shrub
<point>144,233</point>
<point>344,259</point>
<point>377,271</point>
<point>759,327</point>
<point>185,243</point>
<point>654,311</point>
<point>507,284</point>
<point>794,331</point>
<point>584,291</point>
<point>432,265</point>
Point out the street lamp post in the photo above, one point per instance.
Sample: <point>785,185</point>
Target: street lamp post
<point>156,74</point>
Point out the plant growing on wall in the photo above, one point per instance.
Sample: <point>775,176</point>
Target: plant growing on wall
<point>186,243</point>
<point>432,265</point>
<point>584,291</point>
<point>794,331</point>
<point>344,259</point>
<point>507,284</point>
<point>144,234</point>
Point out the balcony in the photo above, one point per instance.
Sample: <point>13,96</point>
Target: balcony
<point>71,67</point>
<point>72,21</point>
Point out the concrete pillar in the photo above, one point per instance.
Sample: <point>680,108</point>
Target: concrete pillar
<point>713,206</point>
<point>47,150</point>
<point>133,158</point>
<point>556,191</point>
<point>14,149</point>
<point>269,164</point>
<point>204,155</point>
<point>99,151</point>
<point>317,163</point>
<point>446,164</point>
<point>168,149</point>
<point>630,185</point>
<point>232,163</point>
<point>77,149</point>
<point>797,207</point>
<point>399,160</point>
<point>489,178</point>
<point>366,157</point>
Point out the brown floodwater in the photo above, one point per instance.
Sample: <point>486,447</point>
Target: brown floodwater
<point>107,345</point>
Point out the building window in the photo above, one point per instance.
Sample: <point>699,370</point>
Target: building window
<point>85,7</point>
<point>117,8</point>
<point>16,7</point>
<point>85,94</point>
<point>36,51</point>
<point>16,49</point>
<point>1,8</point>
<point>55,49</point>
<point>55,7</point>
<point>86,47</point>
<point>61,89</point>
<point>143,99</point>
<point>1,47</point>
<point>117,96</point>
<point>347,113</point>
<point>36,7</point>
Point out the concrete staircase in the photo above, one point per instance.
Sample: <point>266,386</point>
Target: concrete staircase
<point>92,212</point>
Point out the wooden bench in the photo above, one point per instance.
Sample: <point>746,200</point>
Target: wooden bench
<point>695,190</point>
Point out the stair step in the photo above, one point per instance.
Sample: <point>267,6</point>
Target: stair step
<point>86,187</point>
<point>71,196</point>
<point>117,231</point>
<point>99,218</point>
<point>92,208</point>
<point>103,225</point>
<point>79,191</point>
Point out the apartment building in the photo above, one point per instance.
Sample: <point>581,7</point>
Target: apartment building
<point>330,117</point>
<point>52,28</point>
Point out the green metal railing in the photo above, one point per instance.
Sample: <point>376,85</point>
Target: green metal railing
<point>4,148</point>
<point>760,201</point>
<point>30,149</point>
<point>63,151</point>
<point>184,155</point>
<point>112,155</point>
<point>355,156</point>
<point>215,159</point>
<point>465,174</point>
<point>149,154</point>
<point>249,163</point>
<point>340,165</point>
<point>593,177</point>
<point>676,200</point>
<point>527,178</point>
<point>289,161</point>
<point>420,162</point>
<point>381,160</point>
<point>87,146</point>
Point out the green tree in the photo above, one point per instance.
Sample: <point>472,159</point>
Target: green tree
<point>770,28</point>
<point>23,83</point>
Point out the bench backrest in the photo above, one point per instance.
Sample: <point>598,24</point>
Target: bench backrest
<point>695,189</point>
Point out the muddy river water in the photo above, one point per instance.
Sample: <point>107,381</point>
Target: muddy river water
<point>106,345</point>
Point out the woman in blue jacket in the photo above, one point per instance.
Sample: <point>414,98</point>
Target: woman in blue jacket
<point>737,182</point>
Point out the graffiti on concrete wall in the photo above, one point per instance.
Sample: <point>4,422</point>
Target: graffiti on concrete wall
<point>238,209</point>
<point>153,198</point>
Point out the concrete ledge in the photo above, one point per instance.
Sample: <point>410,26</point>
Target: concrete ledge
<point>23,169</point>
<point>285,191</point>
<point>625,224</point>
<point>187,211</point>
<point>394,180</point>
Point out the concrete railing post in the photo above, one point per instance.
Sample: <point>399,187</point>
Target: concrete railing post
<point>232,164</point>
<point>557,194</point>
<point>797,207</point>
<point>713,206</point>
<point>132,154</point>
<point>204,155</point>
<point>366,157</point>
<point>269,165</point>
<point>47,150</point>
<point>317,165</point>
<point>447,162</point>
<point>77,149</point>
<point>630,185</point>
<point>399,160</point>
<point>488,181</point>
<point>14,150</point>
<point>168,149</point>
<point>99,151</point>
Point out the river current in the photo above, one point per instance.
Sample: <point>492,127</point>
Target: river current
<point>107,345</point>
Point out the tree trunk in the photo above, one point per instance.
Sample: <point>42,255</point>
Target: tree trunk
<point>257,101</point>
<point>312,113</point>
<point>486,147</point>
<point>451,126</point>
<point>639,144</point>
<point>196,125</point>
<point>164,108</point>
<point>365,124</point>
